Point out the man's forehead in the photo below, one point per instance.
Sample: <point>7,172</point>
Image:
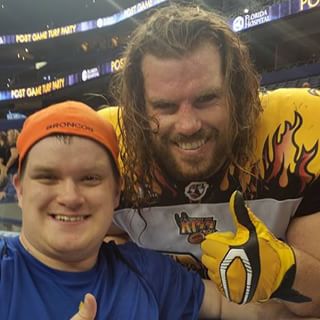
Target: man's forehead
<point>188,53</point>
<point>52,142</point>
<point>170,80</point>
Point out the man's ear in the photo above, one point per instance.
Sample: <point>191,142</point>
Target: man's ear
<point>18,186</point>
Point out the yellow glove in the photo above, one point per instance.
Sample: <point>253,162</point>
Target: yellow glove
<point>251,265</point>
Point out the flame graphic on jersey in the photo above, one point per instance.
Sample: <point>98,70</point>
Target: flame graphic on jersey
<point>276,157</point>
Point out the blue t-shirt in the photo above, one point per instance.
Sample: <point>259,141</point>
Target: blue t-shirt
<point>127,281</point>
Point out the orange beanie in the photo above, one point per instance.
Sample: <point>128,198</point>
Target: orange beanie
<point>69,117</point>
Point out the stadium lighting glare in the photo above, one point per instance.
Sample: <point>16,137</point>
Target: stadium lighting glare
<point>40,64</point>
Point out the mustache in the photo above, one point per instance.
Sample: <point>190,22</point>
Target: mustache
<point>202,134</point>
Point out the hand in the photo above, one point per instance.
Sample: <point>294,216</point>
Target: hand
<point>252,265</point>
<point>87,309</point>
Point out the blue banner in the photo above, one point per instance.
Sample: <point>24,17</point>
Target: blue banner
<point>271,13</point>
<point>69,80</point>
<point>80,27</point>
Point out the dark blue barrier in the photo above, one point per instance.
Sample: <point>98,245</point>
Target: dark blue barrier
<point>307,70</point>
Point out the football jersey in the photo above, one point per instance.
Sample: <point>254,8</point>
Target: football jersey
<point>288,183</point>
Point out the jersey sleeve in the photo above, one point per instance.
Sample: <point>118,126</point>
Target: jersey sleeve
<point>179,292</point>
<point>288,140</point>
<point>110,114</point>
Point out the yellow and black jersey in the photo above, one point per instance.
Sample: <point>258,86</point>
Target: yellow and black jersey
<point>288,184</point>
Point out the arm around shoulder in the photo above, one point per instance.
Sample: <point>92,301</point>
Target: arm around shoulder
<point>215,306</point>
<point>117,235</point>
<point>304,236</point>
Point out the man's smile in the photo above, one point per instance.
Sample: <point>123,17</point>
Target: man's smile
<point>191,145</point>
<point>69,218</point>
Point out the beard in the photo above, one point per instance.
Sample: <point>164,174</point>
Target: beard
<point>190,168</point>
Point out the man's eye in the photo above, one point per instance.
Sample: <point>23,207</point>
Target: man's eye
<point>46,177</point>
<point>165,107</point>
<point>207,98</point>
<point>91,179</point>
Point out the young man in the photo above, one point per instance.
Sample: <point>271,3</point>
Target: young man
<point>68,185</point>
<point>193,131</point>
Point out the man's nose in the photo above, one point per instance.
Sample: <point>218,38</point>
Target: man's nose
<point>188,121</point>
<point>69,194</point>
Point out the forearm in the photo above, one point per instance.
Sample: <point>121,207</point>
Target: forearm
<point>307,282</point>
<point>13,158</point>
<point>211,304</point>
<point>117,235</point>
<point>215,306</point>
<point>10,163</point>
<point>253,311</point>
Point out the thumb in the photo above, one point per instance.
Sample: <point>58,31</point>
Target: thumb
<point>87,309</point>
<point>240,213</point>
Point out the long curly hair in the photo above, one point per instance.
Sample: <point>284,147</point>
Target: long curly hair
<point>172,32</point>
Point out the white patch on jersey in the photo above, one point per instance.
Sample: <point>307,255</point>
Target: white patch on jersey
<point>156,227</point>
<point>196,190</point>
